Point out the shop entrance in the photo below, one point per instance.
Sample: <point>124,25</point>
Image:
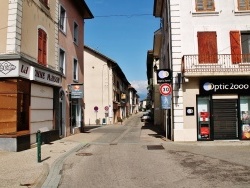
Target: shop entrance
<point>225,122</point>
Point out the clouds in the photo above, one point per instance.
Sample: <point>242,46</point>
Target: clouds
<point>140,86</point>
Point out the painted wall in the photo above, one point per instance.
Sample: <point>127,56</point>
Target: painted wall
<point>97,87</point>
<point>4,24</point>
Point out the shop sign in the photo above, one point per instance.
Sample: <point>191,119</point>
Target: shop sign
<point>46,77</point>
<point>8,68</point>
<point>76,91</point>
<point>164,76</point>
<point>236,86</point>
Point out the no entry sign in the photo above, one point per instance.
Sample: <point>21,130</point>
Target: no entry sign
<point>165,89</point>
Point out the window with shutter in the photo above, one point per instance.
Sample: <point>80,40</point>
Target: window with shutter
<point>244,4</point>
<point>204,5</point>
<point>235,46</point>
<point>207,47</point>
<point>42,47</point>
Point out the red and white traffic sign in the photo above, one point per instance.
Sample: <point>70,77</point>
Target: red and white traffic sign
<point>165,89</point>
<point>106,108</point>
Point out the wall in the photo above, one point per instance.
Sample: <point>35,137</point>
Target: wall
<point>97,87</point>
<point>3,24</point>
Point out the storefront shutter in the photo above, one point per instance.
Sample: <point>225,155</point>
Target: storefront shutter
<point>235,46</point>
<point>207,47</point>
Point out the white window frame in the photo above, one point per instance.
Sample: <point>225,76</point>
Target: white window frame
<point>75,32</point>
<point>62,26</point>
<point>62,64</point>
<point>75,70</point>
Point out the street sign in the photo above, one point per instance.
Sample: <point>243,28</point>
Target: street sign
<point>96,108</point>
<point>165,89</point>
<point>106,108</point>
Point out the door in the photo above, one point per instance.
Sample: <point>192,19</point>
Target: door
<point>225,122</point>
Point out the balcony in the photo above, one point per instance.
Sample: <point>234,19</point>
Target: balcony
<point>216,65</point>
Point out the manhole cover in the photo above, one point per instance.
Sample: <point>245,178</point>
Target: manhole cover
<point>155,147</point>
<point>84,154</point>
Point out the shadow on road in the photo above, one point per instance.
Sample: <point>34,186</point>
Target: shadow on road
<point>158,133</point>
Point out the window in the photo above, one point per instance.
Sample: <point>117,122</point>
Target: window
<point>62,20</point>
<point>207,47</point>
<point>240,46</point>
<point>42,47</point>
<point>75,32</point>
<point>62,61</point>
<point>45,2</point>
<point>204,5</point>
<point>75,70</point>
<point>244,4</point>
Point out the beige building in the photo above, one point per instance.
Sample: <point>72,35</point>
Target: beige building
<point>105,89</point>
<point>206,47</point>
<point>29,72</point>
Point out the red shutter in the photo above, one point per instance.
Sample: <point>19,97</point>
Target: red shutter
<point>44,48</point>
<point>207,47</point>
<point>40,46</point>
<point>235,46</point>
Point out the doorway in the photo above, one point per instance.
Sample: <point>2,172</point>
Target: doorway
<point>225,121</point>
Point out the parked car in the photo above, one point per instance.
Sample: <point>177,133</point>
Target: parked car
<point>146,117</point>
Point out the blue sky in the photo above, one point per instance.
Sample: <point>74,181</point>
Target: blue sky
<point>123,30</point>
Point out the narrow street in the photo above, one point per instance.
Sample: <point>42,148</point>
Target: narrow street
<point>133,155</point>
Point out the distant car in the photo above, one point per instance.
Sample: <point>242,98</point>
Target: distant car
<point>146,117</point>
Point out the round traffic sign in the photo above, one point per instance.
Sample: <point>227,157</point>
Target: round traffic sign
<point>106,108</point>
<point>96,108</point>
<point>165,89</point>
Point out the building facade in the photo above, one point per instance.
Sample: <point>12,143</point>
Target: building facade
<point>71,64</point>
<point>29,76</point>
<point>105,89</point>
<point>206,45</point>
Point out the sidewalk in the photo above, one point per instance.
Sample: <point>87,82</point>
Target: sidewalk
<point>21,169</point>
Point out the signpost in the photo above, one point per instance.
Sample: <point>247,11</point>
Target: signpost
<point>165,89</point>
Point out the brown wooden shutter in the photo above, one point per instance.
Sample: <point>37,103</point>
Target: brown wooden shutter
<point>242,4</point>
<point>210,5</point>
<point>207,47</point>
<point>199,5</point>
<point>235,46</point>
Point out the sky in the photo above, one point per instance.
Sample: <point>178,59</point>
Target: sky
<point>123,30</point>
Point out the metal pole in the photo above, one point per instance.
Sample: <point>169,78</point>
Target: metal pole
<point>39,143</point>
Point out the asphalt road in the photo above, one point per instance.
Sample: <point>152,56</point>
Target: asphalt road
<point>134,156</point>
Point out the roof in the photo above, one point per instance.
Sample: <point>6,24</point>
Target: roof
<point>83,9</point>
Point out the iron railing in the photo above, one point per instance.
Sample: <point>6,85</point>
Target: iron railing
<point>221,63</point>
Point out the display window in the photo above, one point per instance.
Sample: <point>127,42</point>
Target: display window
<point>245,117</point>
<point>203,118</point>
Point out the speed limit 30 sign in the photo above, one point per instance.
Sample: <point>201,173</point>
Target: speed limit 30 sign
<point>165,89</point>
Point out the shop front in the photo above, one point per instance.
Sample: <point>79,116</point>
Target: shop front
<point>223,109</point>
<point>29,97</point>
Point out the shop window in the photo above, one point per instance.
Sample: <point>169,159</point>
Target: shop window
<point>245,117</point>
<point>42,47</point>
<point>76,113</point>
<point>204,130</point>
<point>207,47</point>
<point>243,4</point>
<point>240,46</point>
<point>62,20</point>
<point>204,5</point>
<point>62,60</point>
